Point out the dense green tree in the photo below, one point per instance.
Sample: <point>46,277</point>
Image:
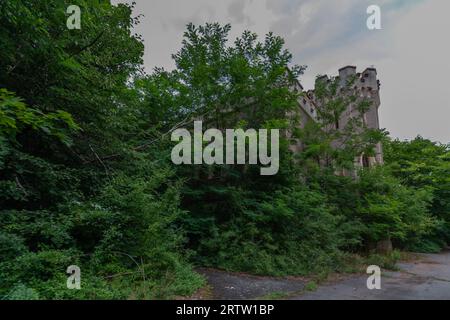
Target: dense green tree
<point>86,176</point>
<point>391,210</point>
<point>75,186</point>
<point>423,164</point>
<point>245,84</point>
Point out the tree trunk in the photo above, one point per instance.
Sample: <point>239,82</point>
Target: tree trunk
<point>384,246</point>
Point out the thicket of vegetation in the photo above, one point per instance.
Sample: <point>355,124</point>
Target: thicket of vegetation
<point>86,177</point>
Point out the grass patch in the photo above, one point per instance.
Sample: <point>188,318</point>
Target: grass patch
<point>311,286</point>
<point>276,296</point>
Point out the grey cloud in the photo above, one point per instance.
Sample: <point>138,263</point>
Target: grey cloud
<point>236,12</point>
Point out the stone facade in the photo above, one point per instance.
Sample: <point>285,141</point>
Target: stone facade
<point>365,86</point>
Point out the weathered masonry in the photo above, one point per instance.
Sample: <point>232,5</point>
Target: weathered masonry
<point>366,86</point>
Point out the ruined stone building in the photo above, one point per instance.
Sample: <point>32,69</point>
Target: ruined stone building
<point>365,86</point>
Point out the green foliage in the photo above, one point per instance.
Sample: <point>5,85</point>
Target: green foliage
<point>290,232</point>
<point>75,187</point>
<point>21,292</point>
<point>86,177</point>
<point>238,220</point>
<point>391,210</point>
<point>423,164</point>
<point>124,240</point>
<point>387,261</point>
<point>311,286</point>
<point>14,116</point>
<point>376,207</point>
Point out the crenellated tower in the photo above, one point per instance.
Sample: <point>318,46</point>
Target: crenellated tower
<point>364,85</point>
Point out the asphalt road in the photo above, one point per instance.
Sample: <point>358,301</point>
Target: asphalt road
<point>425,279</point>
<point>239,286</point>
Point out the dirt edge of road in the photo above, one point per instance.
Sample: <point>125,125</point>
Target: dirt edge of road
<point>419,276</point>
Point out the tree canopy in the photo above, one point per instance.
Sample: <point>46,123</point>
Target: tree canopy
<point>86,177</point>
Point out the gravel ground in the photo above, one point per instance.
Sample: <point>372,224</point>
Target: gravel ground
<point>426,278</point>
<point>238,286</point>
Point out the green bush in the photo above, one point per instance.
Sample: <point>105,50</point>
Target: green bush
<point>423,164</point>
<point>290,232</point>
<point>125,242</point>
<point>391,210</point>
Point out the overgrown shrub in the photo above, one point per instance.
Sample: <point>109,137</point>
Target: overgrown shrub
<point>289,232</point>
<point>391,210</point>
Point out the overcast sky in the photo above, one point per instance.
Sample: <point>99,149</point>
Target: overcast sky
<point>411,52</point>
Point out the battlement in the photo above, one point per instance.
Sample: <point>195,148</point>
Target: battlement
<point>366,80</point>
<point>364,84</point>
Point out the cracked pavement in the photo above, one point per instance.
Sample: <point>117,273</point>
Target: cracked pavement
<point>425,279</point>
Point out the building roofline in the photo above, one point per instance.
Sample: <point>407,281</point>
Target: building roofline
<point>346,67</point>
<point>370,69</point>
